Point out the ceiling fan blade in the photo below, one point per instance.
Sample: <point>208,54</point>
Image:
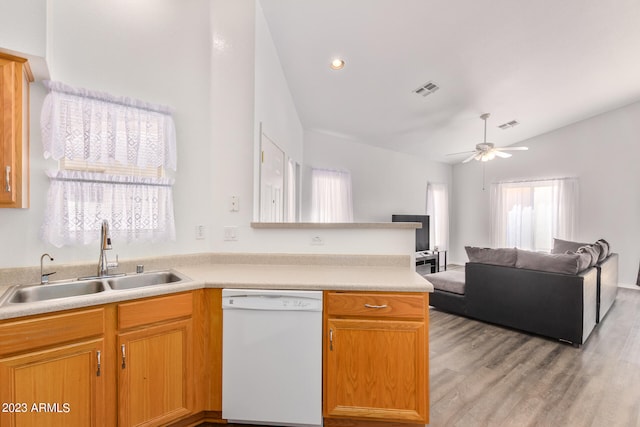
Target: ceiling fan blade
<point>462,152</point>
<point>501,154</point>
<point>514,148</point>
<point>468,159</point>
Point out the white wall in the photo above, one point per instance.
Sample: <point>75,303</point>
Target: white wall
<point>156,50</point>
<point>248,89</point>
<point>197,56</point>
<point>274,106</point>
<point>23,26</point>
<point>384,182</point>
<point>602,152</point>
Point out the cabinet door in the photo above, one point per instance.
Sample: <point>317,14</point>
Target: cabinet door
<point>155,378</point>
<point>376,369</point>
<point>63,386</point>
<point>14,148</point>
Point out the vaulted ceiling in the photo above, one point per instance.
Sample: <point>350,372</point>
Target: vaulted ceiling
<point>544,63</point>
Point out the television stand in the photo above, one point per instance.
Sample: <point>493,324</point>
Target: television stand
<point>433,259</point>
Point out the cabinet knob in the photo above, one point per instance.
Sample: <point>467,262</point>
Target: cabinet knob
<point>98,357</point>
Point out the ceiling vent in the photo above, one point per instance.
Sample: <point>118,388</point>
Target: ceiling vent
<point>509,125</point>
<point>427,89</point>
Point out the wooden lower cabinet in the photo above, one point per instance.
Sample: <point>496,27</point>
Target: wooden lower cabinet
<point>155,379</point>
<point>157,362</point>
<point>126,364</point>
<point>44,383</point>
<point>376,357</point>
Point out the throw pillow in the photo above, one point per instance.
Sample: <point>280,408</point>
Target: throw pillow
<point>499,256</point>
<point>593,252</point>
<point>562,246</point>
<point>606,249</point>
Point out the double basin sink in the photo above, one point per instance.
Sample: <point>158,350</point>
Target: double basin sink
<point>85,287</point>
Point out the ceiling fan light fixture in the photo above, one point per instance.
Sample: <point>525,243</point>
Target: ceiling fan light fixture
<point>490,155</point>
<point>486,151</point>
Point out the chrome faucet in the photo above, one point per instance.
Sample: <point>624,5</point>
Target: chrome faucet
<point>105,245</point>
<point>44,278</point>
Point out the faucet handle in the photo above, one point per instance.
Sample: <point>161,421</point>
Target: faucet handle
<point>44,279</point>
<point>113,264</point>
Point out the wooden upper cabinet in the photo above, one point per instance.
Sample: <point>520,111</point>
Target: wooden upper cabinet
<point>15,76</point>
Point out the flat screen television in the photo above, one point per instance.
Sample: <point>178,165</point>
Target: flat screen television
<point>422,234</point>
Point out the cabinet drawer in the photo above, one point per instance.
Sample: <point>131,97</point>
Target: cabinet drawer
<point>376,305</point>
<point>18,336</point>
<point>154,310</point>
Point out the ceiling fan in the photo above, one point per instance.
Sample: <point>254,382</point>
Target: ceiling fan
<point>486,151</point>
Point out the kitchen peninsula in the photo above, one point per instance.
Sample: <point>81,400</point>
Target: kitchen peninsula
<point>113,340</point>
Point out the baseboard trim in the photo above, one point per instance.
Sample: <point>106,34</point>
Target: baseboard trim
<point>629,286</point>
<point>200,419</point>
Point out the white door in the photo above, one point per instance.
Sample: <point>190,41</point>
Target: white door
<point>271,181</point>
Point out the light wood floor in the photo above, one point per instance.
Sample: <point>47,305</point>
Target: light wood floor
<point>485,375</point>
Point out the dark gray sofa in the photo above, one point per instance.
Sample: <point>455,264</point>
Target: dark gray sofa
<point>562,306</point>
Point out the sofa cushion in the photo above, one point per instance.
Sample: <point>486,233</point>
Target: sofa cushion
<point>562,246</point>
<point>567,263</point>
<point>593,251</point>
<point>448,281</point>
<point>499,256</point>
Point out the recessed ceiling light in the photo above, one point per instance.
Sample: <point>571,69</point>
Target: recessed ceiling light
<point>337,64</point>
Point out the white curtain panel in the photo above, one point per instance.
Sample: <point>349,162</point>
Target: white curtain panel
<point>331,198</point>
<point>529,214</point>
<point>78,124</point>
<point>138,208</point>
<point>438,211</point>
<point>117,134</point>
<point>291,191</point>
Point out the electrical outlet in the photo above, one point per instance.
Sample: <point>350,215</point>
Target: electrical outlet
<point>200,232</point>
<point>317,241</point>
<point>231,233</point>
<point>234,205</point>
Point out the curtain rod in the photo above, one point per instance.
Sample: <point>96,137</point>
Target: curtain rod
<point>108,181</point>
<point>535,180</point>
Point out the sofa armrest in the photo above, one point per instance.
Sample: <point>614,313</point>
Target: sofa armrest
<point>551,304</point>
<point>607,284</point>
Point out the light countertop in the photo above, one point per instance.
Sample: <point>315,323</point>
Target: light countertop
<point>250,276</point>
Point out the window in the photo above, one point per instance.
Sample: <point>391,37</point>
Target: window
<point>331,196</point>
<point>529,214</point>
<point>112,154</point>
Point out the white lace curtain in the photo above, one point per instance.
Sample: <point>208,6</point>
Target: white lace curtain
<point>137,208</point>
<point>529,214</point>
<point>331,199</point>
<point>101,129</point>
<point>78,124</point>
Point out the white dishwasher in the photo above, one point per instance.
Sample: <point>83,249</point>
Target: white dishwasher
<point>272,357</point>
